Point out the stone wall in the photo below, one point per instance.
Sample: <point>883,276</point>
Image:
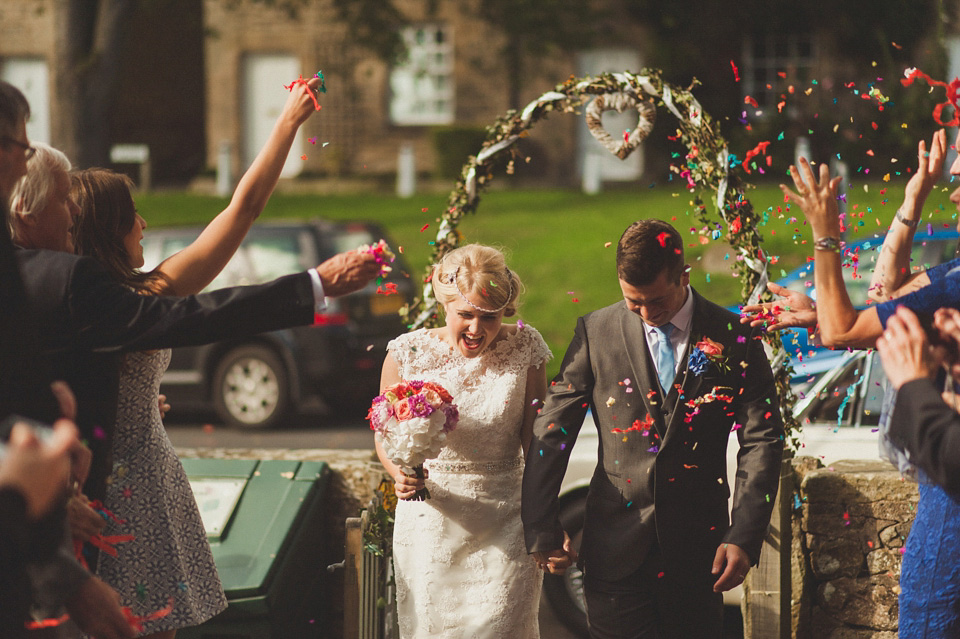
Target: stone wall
<point>850,524</point>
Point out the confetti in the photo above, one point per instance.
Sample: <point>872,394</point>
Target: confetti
<point>313,96</point>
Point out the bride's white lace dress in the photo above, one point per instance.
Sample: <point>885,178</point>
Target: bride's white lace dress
<point>462,569</point>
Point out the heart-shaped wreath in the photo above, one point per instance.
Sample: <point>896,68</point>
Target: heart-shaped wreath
<point>620,102</point>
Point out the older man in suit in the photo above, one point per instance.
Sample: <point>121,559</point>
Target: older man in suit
<point>667,375</point>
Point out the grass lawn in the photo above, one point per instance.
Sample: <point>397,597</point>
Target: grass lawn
<point>556,240</point>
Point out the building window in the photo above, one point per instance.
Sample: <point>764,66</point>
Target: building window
<point>422,87</point>
<point>772,62</point>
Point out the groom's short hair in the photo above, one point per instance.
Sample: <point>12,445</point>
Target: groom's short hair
<point>648,248</point>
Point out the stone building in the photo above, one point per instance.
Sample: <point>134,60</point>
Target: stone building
<point>201,81</point>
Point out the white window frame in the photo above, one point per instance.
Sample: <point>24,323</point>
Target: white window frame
<point>784,53</point>
<point>422,87</point>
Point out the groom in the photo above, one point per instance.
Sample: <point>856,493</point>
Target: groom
<point>667,375</point>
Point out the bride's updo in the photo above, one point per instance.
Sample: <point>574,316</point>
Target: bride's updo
<point>479,269</point>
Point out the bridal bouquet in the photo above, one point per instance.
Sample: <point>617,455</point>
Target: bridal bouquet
<point>412,420</point>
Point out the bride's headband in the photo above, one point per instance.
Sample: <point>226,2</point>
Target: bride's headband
<point>451,278</point>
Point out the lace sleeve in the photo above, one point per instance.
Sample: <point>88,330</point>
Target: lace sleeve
<point>537,350</point>
<point>399,347</point>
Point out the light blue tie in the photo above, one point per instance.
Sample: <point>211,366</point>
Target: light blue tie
<point>666,363</point>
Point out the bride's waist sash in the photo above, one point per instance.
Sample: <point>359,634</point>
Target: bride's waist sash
<point>501,465</point>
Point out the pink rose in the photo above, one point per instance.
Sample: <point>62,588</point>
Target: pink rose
<point>432,398</point>
<point>709,347</point>
<point>402,410</point>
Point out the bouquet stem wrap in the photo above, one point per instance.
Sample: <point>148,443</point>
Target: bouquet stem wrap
<point>423,493</point>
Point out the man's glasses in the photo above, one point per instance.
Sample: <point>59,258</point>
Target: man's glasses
<point>28,150</point>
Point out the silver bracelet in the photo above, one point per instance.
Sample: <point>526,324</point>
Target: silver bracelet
<point>827,243</point>
<point>908,223</point>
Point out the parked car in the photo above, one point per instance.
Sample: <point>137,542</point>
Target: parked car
<point>839,417</point>
<point>809,361</point>
<point>258,381</point>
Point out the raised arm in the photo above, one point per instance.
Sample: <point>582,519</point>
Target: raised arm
<point>841,326</point>
<point>892,271</point>
<point>193,268</point>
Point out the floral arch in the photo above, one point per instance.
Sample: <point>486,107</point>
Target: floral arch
<point>707,166</point>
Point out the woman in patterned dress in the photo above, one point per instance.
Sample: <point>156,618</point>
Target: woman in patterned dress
<point>148,491</point>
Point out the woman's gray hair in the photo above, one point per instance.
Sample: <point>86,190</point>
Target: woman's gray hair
<point>32,192</point>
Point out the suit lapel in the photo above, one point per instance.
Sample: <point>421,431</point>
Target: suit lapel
<point>644,373</point>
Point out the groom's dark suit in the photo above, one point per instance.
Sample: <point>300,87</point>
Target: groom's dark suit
<point>85,319</point>
<point>661,477</point>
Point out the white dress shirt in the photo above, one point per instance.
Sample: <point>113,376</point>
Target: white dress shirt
<point>319,298</point>
<point>680,336</point>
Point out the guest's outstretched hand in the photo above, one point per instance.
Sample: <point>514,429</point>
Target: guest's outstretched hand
<point>929,169</point>
<point>817,198</point>
<point>39,470</point>
<point>905,350</point>
<point>302,101</point>
<point>347,272</point>
<point>732,564</point>
<point>792,310</point>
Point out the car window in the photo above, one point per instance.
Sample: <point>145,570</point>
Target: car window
<point>349,238</point>
<point>836,400</point>
<point>858,266</point>
<point>265,255</point>
<point>852,397</point>
<point>872,391</point>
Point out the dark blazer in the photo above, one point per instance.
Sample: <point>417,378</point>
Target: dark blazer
<point>86,319</point>
<point>929,430</point>
<point>661,475</point>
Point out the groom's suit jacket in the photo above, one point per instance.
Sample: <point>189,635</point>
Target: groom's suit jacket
<point>85,320</point>
<point>661,475</point>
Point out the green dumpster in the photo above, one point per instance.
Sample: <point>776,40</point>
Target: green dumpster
<point>264,523</point>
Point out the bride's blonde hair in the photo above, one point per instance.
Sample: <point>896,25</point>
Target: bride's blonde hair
<point>479,269</point>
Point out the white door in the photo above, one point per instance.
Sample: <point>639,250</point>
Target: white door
<point>264,78</point>
<point>31,75</point>
<point>612,168</point>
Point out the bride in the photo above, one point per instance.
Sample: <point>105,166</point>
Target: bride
<point>462,569</point>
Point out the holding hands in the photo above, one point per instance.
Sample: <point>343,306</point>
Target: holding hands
<point>557,561</point>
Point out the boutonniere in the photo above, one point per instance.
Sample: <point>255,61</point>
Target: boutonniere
<point>707,352</point>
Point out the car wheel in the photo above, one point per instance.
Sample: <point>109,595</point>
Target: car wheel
<point>565,592</point>
<point>251,388</point>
